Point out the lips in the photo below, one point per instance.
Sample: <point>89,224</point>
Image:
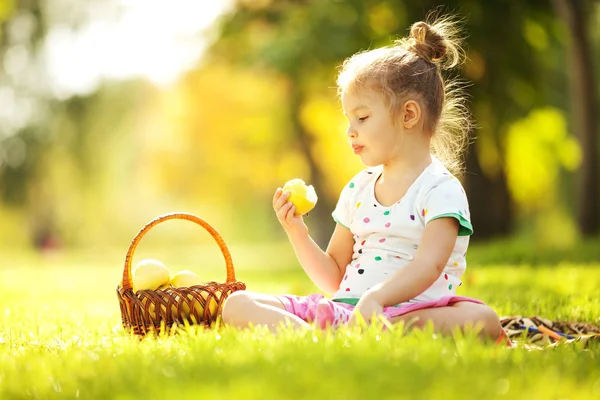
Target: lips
<point>357,148</point>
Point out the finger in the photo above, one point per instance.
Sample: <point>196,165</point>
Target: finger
<point>359,318</point>
<point>282,213</point>
<point>282,200</point>
<point>291,214</point>
<point>352,321</point>
<point>277,195</point>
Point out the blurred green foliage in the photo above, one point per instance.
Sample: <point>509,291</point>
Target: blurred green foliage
<point>260,108</point>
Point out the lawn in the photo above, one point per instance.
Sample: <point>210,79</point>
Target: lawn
<point>60,337</point>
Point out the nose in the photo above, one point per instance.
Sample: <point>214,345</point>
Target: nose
<point>350,132</point>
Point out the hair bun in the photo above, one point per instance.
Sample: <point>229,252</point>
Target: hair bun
<point>426,42</point>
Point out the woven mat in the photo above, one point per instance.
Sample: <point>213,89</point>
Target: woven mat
<point>543,332</point>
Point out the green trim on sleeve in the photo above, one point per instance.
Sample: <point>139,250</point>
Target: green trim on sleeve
<point>337,221</point>
<point>352,302</point>
<point>465,228</point>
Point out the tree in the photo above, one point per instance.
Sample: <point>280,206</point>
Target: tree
<point>575,14</point>
<point>296,40</point>
<point>301,39</point>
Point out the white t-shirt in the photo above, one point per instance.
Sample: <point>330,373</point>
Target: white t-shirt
<point>386,238</point>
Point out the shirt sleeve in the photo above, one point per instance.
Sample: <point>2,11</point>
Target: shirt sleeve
<point>343,212</point>
<point>448,199</point>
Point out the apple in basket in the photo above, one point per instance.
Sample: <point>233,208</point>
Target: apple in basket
<point>302,196</point>
<point>187,278</point>
<point>152,309</point>
<point>150,275</point>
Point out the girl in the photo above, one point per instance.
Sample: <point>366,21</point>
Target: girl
<point>402,224</point>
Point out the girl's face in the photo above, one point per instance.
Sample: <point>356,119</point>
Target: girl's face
<point>372,133</point>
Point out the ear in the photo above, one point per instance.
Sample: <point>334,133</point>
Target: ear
<point>411,114</point>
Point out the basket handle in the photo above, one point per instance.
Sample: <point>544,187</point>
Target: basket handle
<point>127,282</point>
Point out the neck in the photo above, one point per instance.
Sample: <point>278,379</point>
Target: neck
<point>409,162</point>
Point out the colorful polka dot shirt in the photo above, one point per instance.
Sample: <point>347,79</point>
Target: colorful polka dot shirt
<point>386,238</point>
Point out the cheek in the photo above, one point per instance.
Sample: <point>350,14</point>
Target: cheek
<point>385,137</point>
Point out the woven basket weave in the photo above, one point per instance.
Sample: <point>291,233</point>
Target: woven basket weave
<point>155,310</point>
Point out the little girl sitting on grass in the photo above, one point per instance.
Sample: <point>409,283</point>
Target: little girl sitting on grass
<point>402,224</point>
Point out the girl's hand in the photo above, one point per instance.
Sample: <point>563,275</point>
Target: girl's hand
<point>368,307</point>
<point>292,224</point>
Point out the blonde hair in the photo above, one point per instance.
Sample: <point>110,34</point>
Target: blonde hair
<point>412,67</point>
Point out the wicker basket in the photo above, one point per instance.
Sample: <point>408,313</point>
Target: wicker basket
<point>153,310</point>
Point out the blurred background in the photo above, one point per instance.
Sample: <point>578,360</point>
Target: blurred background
<point>113,112</point>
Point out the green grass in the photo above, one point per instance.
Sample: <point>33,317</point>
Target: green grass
<point>60,337</point>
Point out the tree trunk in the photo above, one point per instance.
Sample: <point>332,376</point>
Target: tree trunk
<point>489,201</point>
<point>584,107</point>
<point>319,220</point>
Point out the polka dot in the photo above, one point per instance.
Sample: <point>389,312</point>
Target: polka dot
<point>412,217</point>
<point>446,276</point>
<point>374,205</point>
<point>388,224</point>
<point>358,204</point>
<point>460,284</point>
<point>366,220</point>
<point>363,242</point>
<point>361,271</point>
<point>369,172</point>
<point>378,258</point>
<point>455,264</point>
<point>424,211</point>
<point>360,251</point>
<point>357,265</point>
<point>381,240</point>
<point>351,185</point>
<point>450,287</point>
<point>347,289</point>
<point>387,212</point>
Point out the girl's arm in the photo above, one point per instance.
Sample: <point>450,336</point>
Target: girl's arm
<point>324,268</point>
<point>432,255</point>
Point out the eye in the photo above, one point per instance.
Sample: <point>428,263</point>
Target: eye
<point>363,119</point>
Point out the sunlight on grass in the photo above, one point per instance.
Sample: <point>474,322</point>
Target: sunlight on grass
<point>61,337</point>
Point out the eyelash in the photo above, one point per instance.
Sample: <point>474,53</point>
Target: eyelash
<point>363,119</point>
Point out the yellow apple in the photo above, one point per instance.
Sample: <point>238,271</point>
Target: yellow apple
<point>185,278</point>
<point>150,275</point>
<point>302,196</point>
<point>154,316</point>
<point>212,306</point>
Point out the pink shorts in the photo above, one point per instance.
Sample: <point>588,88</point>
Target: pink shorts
<point>325,312</point>
<point>305,307</point>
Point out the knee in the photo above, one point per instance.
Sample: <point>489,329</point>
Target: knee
<point>491,323</point>
<point>236,304</point>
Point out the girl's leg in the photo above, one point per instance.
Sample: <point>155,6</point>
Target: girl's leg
<point>331,314</point>
<point>243,308</point>
<point>461,314</point>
